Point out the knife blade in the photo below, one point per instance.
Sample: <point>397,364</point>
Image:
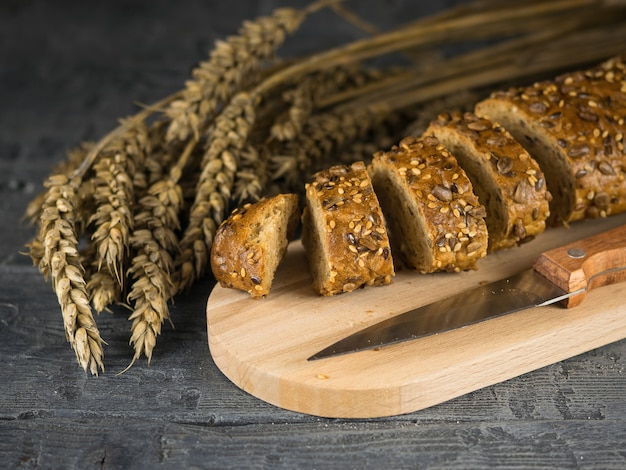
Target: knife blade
<point>563,274</point>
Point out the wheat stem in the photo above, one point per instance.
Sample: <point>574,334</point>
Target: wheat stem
<point>476,24</point>
<point>117,132</point>
<point>589,46</point>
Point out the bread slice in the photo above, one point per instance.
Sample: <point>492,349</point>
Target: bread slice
<point>343,231</point>
<point>574,127</point>
<point>435,220</point>
<point>249,245</point>
<point>506,179</point>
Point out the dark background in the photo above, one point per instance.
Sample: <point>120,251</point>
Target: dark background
<point>68,71</point>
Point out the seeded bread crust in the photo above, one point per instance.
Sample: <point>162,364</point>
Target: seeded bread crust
<point>252,241</point>
<point>435,220</point>
<point>343,231</point>
<point>506,179</point>
<point>574,127</point>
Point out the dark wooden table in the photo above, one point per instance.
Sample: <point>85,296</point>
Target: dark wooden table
<point>68,71</point>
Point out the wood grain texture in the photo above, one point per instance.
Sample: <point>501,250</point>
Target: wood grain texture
<point>586,264</point>
<point>73,69</point>
<point>263,345</point>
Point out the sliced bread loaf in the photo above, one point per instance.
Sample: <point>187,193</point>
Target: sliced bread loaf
<point>343,231</point>
<point>249,245</point>
<point>435,220</point>
<point>506,179</point>
<point>574,127</point>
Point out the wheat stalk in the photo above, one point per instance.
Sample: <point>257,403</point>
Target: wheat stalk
<point>114,197</point>
<point>63,217</point>
<point>74,158</point>
<point>230,67</point>
<point>254,172</point>
<point>590,46</point>
<point>517,17</point>
<point>252,177</point>
<point>60,258</point>
<point>155,244</point>
<point>35,207</point>
<point>227,137</point>
<point>217,80</point>
<point>112,218</point>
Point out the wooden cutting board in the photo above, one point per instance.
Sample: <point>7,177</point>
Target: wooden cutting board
<point>263,345</point>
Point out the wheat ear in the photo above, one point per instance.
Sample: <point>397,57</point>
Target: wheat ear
<point>230,68</point>
<point>155,244</point>
<point>227,137</point>
<point>102,288</point>
<point>253,174</point>
<point>60,258</point>
<point>74,158</point>
<point>114,196</point>
<point>34,209</point>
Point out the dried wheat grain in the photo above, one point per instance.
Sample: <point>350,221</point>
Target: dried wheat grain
<point>61,261</point>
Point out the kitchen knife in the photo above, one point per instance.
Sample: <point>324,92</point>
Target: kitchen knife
<point>563,274</point>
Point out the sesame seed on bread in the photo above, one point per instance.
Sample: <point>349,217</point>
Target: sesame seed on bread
<point>435,220</point>
<point>249,245</point>
<point>344,232</point>
<point>506,179</point>
<point>573,127</point>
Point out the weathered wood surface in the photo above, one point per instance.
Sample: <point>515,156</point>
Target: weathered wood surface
<point>69,70</point>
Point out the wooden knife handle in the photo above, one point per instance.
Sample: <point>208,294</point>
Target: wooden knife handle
<point>592,262</point>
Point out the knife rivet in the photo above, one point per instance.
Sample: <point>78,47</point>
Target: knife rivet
<point>576,253</point>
